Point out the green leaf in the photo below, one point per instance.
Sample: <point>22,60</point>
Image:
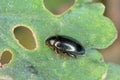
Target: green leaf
<point>87,24</point>
<point>60,68</point>
<point>83,21</point>
<point>113,72</point>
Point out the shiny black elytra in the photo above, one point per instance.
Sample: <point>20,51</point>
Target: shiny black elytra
<point>66,45</point>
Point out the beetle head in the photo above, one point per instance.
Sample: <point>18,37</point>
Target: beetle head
<point>50,41</point>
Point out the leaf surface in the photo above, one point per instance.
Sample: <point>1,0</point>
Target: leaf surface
<point>83,21</point>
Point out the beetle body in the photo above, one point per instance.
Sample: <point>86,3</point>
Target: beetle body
<point>66,45</point>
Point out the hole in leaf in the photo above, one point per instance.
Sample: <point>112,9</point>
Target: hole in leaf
<point>25,37</point>
<point>57,7</point>
<point>5,58</point>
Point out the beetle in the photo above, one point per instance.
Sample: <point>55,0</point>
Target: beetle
<point>66,45</point>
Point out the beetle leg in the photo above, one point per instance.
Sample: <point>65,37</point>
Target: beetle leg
<point>57,52</point>
<point>70,54</point>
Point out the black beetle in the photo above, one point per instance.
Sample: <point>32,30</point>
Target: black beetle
<point>66,45</point>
